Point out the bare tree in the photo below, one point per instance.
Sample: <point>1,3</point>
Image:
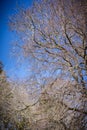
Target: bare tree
<point>54,33</point>
<point>61,102</point>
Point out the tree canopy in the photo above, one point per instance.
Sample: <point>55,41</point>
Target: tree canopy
<point>51,35</point>
<point>53,32</point>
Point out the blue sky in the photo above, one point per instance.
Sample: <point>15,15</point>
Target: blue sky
<point>6,36</point>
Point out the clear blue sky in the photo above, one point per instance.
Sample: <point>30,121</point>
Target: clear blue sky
<point>6,37</point>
